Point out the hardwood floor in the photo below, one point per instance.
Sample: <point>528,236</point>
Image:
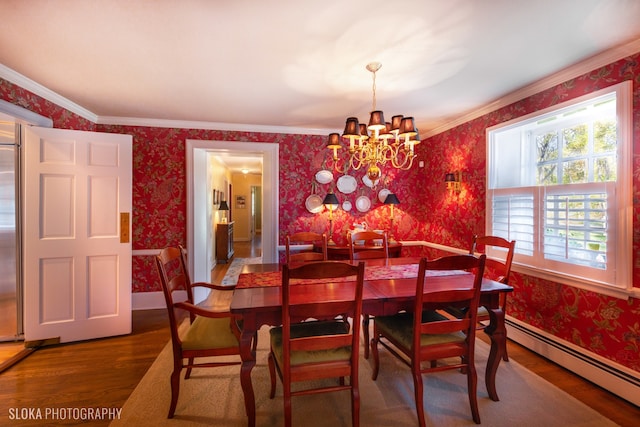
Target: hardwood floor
<point>242,250</point>
<point>103,373</point>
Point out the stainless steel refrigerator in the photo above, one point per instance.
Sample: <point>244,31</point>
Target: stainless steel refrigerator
<point>10,283</point>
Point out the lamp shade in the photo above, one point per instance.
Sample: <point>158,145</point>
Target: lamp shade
<point>450,177</point>
<point>333,141</point>
<point>386,132</point>
<point>407,127</point>
<point>391,199</point>
<point>395,123</point>
<point>330,199</point>
<point>223,206</point>
<point>351,127</point>
<point>364,132</point>
<point>376,121</point>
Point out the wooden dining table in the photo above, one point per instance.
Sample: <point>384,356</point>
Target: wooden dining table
<point>389,287</point>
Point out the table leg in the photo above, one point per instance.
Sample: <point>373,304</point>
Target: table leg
<point>498,334</point>
<point>248,356</point>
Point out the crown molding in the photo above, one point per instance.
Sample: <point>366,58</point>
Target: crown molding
<point>36,88</point>
<point>599,60</point>
<point>186,124</point>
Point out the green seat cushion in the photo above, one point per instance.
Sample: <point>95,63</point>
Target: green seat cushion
<point>207,332</point>
<point>310,329</point>
<point>400,328</point>
<point>482,311</point>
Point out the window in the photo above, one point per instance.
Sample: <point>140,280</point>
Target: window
<point>559,183</point>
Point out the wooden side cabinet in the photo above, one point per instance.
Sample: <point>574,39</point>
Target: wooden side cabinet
<point>224,242</point>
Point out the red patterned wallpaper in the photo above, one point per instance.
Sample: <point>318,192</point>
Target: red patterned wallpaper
<point>606,326</point>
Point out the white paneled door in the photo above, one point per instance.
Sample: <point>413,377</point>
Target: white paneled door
<point>76,234</point>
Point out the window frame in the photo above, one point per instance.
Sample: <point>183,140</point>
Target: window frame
<point>619,251</point>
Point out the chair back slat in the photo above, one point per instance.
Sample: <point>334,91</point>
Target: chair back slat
<point>171,266</point>
<point>445,326</point>
<point>466,299</point>
<point>368,237</point>
<point>306,238</point>
<point>313,311</point>
<point>314,344</point>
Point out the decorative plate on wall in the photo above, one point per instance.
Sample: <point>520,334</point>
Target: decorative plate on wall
<point>313,203</point>
<point>347,184</point>
<point>324,176</point>
<point>363,203</point>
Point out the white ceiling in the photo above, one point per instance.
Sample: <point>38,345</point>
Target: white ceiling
<point>300,64</point>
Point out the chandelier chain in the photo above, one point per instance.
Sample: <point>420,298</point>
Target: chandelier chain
<point>373,106</point>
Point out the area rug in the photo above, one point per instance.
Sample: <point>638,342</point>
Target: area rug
<point>213,397</point>
<point>231,277</point>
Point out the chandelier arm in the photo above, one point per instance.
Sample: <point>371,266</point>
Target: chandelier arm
<point>399,160</point>
<point>388,152</point>
<point>407,161</point>
<point>355,162</point>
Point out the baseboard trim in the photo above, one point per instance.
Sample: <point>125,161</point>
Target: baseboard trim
<point>609,375</point>
<point>152,300</point>
<point>16,358</point>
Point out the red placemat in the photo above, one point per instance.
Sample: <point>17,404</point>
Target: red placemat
<point>407,271</point>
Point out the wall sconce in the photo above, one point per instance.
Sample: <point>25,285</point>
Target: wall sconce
<point>391,200</point>
<point>330,202</point>
<point>454,181</point>
<point>223,207</point>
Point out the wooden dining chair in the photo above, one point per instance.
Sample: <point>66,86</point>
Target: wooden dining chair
<point>495,269</point>
<point>367,237</point>
<point>426,336</point>
<point>209,333</point>
<point>306,238</point>
<point>303,348</point>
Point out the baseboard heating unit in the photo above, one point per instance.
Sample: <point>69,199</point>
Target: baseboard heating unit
<point>611,376</point>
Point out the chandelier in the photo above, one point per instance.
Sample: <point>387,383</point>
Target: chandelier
<point>378,143</point>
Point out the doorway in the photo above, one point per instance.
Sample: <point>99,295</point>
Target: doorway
<point>256,210</point>
<point>199,212</point>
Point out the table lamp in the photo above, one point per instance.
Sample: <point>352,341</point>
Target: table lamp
<point>330,202</point>
<point>391,200</point>
<point>223,207</point>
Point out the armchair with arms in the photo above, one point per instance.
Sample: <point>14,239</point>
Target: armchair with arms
<point>209,333</point>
